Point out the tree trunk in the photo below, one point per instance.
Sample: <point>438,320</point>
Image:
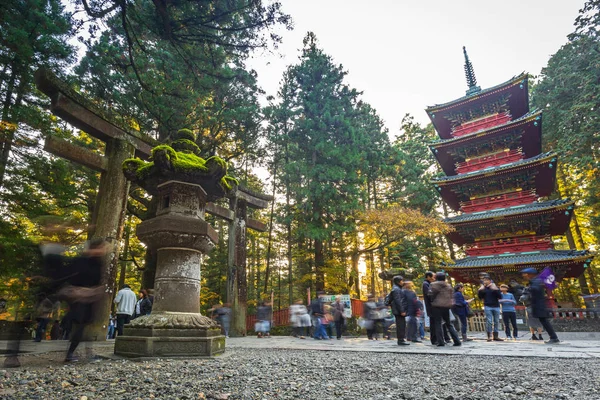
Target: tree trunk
<point>582,281</point>
<point>319,264</point>
<point>7,142</point>
<point>270,239</point>
<point>257,260</point>
<point>125,258</point>
<point>372,264</point>
<point>240,287</point>
<point>579,237</point>
<point>111,208</point>
<point>231,269</point>
<point>355,277</point>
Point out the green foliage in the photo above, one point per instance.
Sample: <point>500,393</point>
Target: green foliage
<point>569,93</point>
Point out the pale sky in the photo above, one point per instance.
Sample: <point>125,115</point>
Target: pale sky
<point>407,55</point>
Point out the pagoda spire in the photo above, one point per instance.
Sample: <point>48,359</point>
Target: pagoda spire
<point>470,75</point>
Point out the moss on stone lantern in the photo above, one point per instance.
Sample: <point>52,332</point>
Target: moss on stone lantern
<point>181,161</point>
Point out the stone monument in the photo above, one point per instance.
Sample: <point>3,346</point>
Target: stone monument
<point>183,183</point>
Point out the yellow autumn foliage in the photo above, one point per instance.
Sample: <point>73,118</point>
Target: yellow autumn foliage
<point>385,226</point>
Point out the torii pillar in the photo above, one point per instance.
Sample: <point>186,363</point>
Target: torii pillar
<point>111,202</point>
<point>237,283</point>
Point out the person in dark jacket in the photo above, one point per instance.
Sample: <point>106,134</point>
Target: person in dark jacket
<point>515,288</point>
<point>143,305</point>
<point>460,309</point>
<point>429,277</point>
<point>412,311</point>
<point>399,308</point>
<point>441,302</point>
<point>538,302</point>
<point>490,294</point>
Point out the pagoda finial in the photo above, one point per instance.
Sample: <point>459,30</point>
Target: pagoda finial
<point>470,74</point>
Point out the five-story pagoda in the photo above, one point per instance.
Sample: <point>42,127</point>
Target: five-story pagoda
<point>498,180</point>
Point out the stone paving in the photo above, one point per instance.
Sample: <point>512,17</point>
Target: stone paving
<point>478,347</point>
<point>572,346</point>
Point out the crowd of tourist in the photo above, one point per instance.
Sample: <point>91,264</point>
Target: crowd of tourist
<point>444,306</point>
<point>402,311</point>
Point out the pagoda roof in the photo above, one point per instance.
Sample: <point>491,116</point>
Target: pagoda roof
<point>564,263</point>
<point>540,218</point>
<point>530,140</point>
<point>516,88</point>
<point>537,206</point>
<point>455,190</point>
<point>442,180</point>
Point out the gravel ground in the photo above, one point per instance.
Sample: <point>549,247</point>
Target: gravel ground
<point>296,374</point>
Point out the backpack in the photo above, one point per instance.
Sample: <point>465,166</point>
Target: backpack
<point>388,299</point>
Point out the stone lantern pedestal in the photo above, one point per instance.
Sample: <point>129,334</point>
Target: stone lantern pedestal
<point>181,236</point>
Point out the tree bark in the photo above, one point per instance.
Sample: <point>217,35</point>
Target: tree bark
<point>579,237</point>
<point>240,282</point>
<point>355,277</point>
<point>582,281</point>
<point>270,239</point>
<point>319,264</point>
<point>6,144</point>
<point>111,208</point>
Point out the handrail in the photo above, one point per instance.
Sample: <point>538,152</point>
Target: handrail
<point>490,160</point>
<point>481,124</point>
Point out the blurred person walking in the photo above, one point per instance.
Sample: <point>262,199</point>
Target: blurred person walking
<point>338,316</point>
<point>412,312</point>
<point>317,312</point>
<point>263,315</point>
<point>421,318</point>
<point>84,291</point>
<point>533,323</point>
<point>299,319</point>
<point>224,318</point>
<point>539,309</point>
<point>370,315</point>
<point>44,310</point>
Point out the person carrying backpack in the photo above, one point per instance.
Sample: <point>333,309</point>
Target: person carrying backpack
<point>399,309</point>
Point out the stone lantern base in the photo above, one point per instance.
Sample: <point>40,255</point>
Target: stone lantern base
<point>170,334</point>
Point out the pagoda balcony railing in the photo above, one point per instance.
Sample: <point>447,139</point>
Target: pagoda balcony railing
<point>481,124</point>
<point>499,201</point>
<point>509,245</point>
<point>490,160</point>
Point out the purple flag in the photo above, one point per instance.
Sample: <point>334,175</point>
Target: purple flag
<point>547,276</point>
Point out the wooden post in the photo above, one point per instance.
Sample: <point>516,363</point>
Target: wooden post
<point>239,261</point>
<point>108,225</point>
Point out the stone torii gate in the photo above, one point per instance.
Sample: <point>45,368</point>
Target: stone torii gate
<point>108,217</point>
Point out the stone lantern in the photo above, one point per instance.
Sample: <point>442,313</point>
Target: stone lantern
<point>182,183</point>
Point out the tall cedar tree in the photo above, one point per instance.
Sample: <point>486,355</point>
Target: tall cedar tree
<point>32,34</point>
<point>324,150</point>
